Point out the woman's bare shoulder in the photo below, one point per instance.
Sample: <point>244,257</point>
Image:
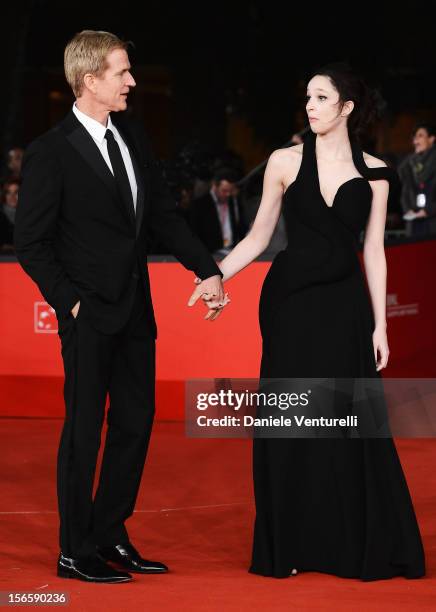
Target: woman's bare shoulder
<point>286,163</point>
<point>288,157</point>
<point>288,152</point>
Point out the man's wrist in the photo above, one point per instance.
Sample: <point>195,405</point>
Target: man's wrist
<point>211,276</point>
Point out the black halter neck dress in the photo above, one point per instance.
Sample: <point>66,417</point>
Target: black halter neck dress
<point>340,506</point>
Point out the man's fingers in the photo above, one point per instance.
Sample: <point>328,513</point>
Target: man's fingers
<point>213,314</point>
<point>214,296</point>
<point>194,297</point>
<point>216,314</point>
<point>217,304</point>
<point>204,295</point>
<point>209,302</point>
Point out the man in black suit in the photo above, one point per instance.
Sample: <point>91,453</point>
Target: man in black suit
<point>217,217</point>
<point>91,189</point>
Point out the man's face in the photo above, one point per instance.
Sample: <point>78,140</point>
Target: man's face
<point>15,157</point>
<point>11,195</point>
<point>223,190</point>
<point>422,140</point>
<point>112,88</point>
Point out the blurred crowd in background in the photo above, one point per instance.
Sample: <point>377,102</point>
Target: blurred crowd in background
<point>9,188</point>
<point>219,198</point>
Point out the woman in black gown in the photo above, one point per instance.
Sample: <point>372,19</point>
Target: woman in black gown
<point>334,505</point>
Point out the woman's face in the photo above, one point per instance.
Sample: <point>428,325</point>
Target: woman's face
<point>322,105</point>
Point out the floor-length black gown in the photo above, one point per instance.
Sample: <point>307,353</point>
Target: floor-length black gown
<point>340,506</point>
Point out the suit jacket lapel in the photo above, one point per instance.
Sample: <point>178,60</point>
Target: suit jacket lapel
<point>82,141</point>
<point>233,222</point>
<point>214,221</point>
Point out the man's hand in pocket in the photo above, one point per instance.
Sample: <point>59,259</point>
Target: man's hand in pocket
<point>75,309</point>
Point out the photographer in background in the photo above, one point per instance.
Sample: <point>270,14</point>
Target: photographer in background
<point>418,180</point>
<point>218,217</point>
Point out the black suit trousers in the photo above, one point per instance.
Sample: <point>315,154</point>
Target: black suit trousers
<point>121,365</point>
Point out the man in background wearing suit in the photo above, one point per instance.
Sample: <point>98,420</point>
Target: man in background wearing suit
<point>217,217</point>
<point>91,190</point>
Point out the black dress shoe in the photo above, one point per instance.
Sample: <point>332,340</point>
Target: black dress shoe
<point>128,557</point>
<point>90,569</point>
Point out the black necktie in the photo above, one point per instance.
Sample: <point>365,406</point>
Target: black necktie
<point>120,173</point>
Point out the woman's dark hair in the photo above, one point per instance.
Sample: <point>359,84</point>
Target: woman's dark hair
<point>368,103</point>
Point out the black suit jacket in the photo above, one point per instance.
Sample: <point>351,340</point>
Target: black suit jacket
<point>6,229</point>
<point>78,240</point>
<point>206,224</point>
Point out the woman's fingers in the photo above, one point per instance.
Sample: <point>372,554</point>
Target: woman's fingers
<point>216,303</point>
<point>213,314</point>
<point>384,356</point>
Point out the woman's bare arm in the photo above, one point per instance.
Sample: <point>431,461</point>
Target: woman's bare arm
<point>282,166</point>
<point>373,248</point>
<point>375,264</point>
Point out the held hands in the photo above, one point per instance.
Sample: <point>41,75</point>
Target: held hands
<point>211,291</point>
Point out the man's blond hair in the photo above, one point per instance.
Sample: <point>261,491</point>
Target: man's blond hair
<point>86,53</point>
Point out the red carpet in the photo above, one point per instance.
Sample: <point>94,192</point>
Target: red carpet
<point>195,513</point>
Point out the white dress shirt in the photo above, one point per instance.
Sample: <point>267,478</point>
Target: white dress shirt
<point>226,226</point>
<point>97,131</point>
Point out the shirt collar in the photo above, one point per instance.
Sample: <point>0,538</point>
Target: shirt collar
<point>217,202</point>
<point>95,128</point>
<point>212,193</point>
